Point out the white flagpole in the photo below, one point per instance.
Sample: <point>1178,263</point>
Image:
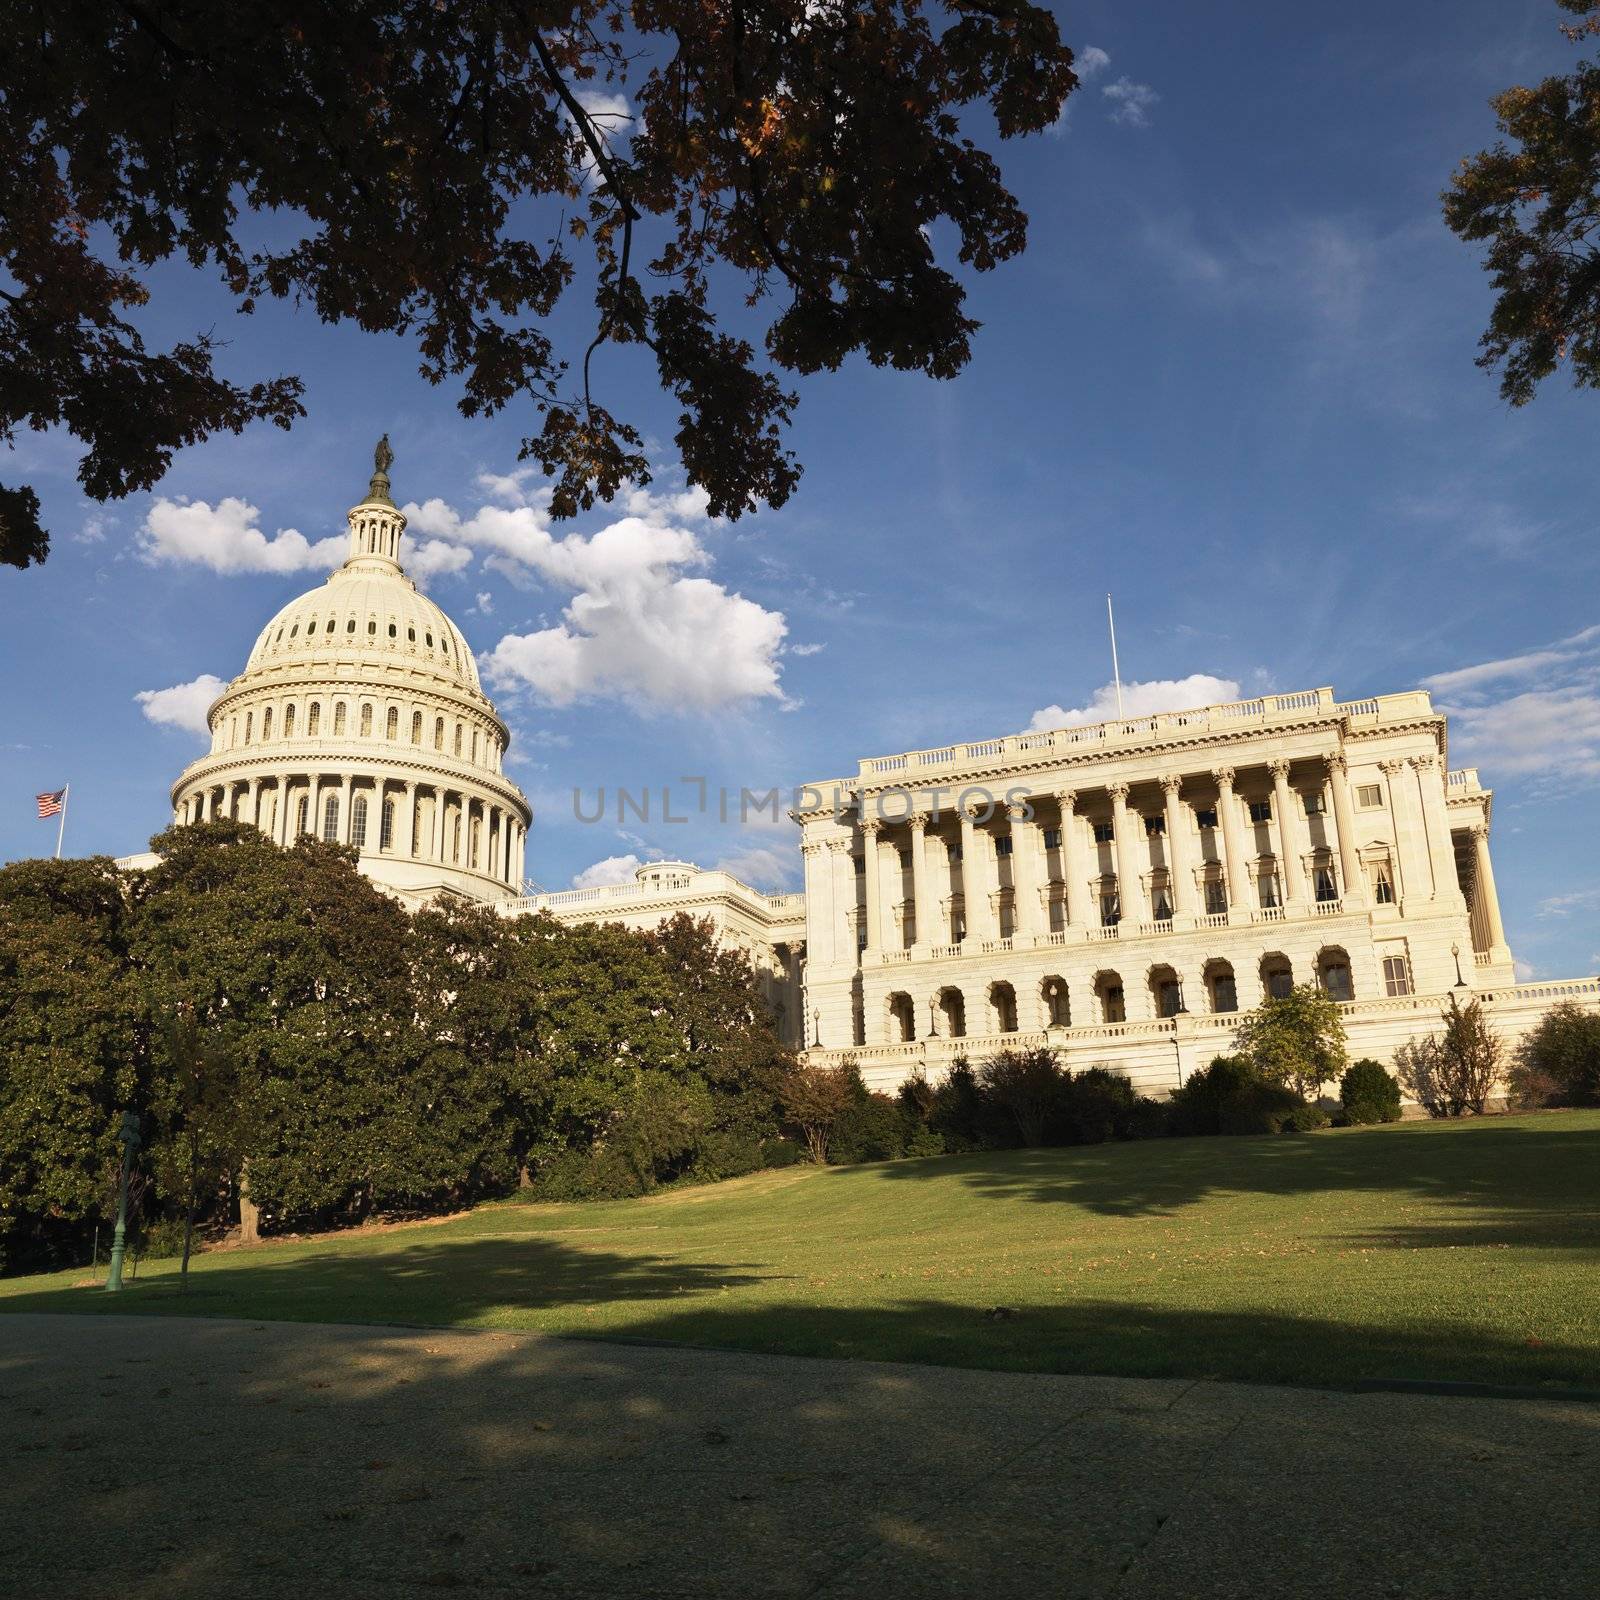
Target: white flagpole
<point>66,792</point>
<point>1116,673</point>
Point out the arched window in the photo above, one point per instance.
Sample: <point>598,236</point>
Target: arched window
<point>952,1013</point>
<point>358,821</point>
<point>474,743</point>
<point>288,722</point>
<point>1277,976</point>
<point>386,825</point>
<point>411,635</point>
<point>1108,991</point>
<point>458,738</point>
<point>1333,973</point>
<point>1003,1007</point>
<point>330,819</point>
<point>1057,1005</point>
<point>391,630</point>
<point>338,720</point>
<point>429,638</point>
<point>330,624</point>
<point>249,719</point>
<point>313,718</point>
<point>366,719</point>
<point>416,727</point>
<point>266,724</point>
<point>902,1019</point>
<point>1166,991</point>
<point>302,814</point>
<point>1221,987</point>
<point>455,838</point>
<point>350,626</point>
<point>372,627</point>
<point>391,723</point>
<point>438,733</point>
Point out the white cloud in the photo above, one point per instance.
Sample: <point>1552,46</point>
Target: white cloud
<point>1132,102</point>
<point>640,623</point>
<point>1140,700</point>
<point>95,527</point>
<point>1563,905</point>
<point>184,705</point>
<point>807,649</point>
<point>483,603</point>
<point>1091,62</point>
<point>1549,732</point>
<point>426,560</point>
<point>225,538</point>
<point>614,869</point>
<point>768,870</point>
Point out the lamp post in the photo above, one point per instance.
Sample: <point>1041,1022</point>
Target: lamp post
<point>1455,950</point>
<point>1177,1043</point>
<point>128,1138</point>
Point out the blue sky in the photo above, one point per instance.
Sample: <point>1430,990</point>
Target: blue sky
<point>1231,381</point>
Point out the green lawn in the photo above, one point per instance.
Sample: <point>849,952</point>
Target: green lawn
<point>1465,1250</point>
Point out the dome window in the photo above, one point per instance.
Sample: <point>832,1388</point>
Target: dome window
<point>313,719</point>
<point>358,821</point>
<point>366,720</point>
<point>438,733</point>
<point>429,638</point>
<point>279,639</point>
<point>330,624</point>
<point>411,634</point>
<point>458,739</point>
<point>391,630</point>
<point>294,630</point>
<point>288,722</point>
<point>416,727</point>
<point>266,724</point>
<point>391,726</point>
<point>386,825</point>
<point>330,819</point>
<point>372,626</point>
<point>350,626</point>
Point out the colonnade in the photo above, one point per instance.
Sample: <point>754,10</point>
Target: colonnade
<point>1165,866</point>
<point>429,822</point>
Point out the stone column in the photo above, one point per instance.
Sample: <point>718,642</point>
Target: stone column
<point>1177,821</point>
<point>977,876</point>
<point>1353,888</point>
<point>841,902</point>
<point>405,833</point>
<point>921,893</point>
<point>437,851</point>
<point>1408,867</point>
<point>1234,867</point>
<point>1436,820</point>
<point>346,793</point>
<point>1290,850</point>
<point>1072,884</point>
<point>252,802</point>
<point>872,873</point>
<point>1486,890</point>
<point>1130,893</point>
<point>1025,907</point>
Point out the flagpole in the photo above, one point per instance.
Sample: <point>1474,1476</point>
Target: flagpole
<point>66,794</point>
<point>1116,673</point>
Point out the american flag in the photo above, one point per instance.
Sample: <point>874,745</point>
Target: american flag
<point>50,804</point>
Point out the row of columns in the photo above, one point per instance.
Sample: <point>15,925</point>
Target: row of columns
<point>499,850</point>
<point>1415,798</point>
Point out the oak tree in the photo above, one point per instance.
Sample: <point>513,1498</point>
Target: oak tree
<point>1535,203</point>
<point>449,172</point>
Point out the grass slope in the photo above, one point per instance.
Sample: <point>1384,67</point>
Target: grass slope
<point>1421,1250</point>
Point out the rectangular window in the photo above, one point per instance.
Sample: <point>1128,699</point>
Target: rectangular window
<point>953,853</point>
<point>1261,811</point>
<point>860,865</point>
<point>1153,826</point>
<point>1326,888</point>
<point>1316,805</point>
<point>1369,796</point>
<point>1002,846</point>
<point>905,860</point>
<point>1110,910</point>
<point>1163,906</point>
<point>1207,817</point>
<point>1103,833</point>
<point>386,826</point>
<point>330,819</point>
<point>1224,994</point>
<point>1396,976</point>
<point>1382,884</point>
<point>1216,897</point>
<point>1269,891</point>
<point>1336,981</point>
<point>1052,838</point>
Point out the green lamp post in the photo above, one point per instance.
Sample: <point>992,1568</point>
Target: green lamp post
<point>128,1138</point>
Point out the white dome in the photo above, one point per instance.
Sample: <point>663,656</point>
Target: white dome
<point>361,615</point>
<point>359,717</point>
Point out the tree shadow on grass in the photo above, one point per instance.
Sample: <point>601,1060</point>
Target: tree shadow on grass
<point>193,1458</point>
<point>1543,1179</point>
<point>434,1282</point>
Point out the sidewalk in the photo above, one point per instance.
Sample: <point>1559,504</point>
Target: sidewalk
<point>163,1458</point>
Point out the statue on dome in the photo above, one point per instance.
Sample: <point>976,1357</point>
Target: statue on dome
<point>382,460</point>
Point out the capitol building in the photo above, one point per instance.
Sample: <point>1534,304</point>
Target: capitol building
<point>1121,891</point>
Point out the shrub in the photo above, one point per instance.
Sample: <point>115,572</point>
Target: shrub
<point>1260,1108</point>
<point>871,1128</point>
<point>1196,1107</point>
<point>1093,1106</point>
<point>815,1097</point>
<point>162,1240</point>
<point>780,1152</point>
<point>726,1155</point>
<point>1369,1094</point>
<point>1452,1073</point>
<point>1559,1062</point>
<point>1304,1119</point>
<point>1027,1086</point>
<point>603,1174</point>
<point>956,1110</point>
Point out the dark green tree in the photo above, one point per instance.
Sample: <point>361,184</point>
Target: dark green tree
<point>1296,1039</point>
<point>449,172</point>
<point>1535,203</point>
<point>1560,1059</point>
<point>72,1050</point>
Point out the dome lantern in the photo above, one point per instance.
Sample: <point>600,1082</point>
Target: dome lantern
<point>377,523</point>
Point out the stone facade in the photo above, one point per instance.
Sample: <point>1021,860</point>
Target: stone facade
<point>1125,890</point>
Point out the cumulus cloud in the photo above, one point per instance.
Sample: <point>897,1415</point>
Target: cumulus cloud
<point>225,538</point>
<point>642,622</point>
<point>433,558</point>
<point>1139,700</point>
<point>1131,102</point>
<point>1088,63</point>
<point>614,869</point>
<point>1547,731</point>
<point>184,705</point>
